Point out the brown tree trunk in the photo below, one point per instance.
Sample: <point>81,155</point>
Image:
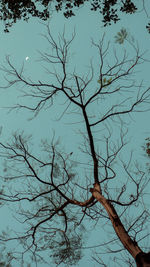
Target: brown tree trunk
<point>142,259</point>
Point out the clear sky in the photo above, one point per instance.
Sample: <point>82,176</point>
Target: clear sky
<point>24,40</point>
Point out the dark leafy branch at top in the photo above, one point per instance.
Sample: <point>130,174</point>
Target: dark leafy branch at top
<point>13,10</point>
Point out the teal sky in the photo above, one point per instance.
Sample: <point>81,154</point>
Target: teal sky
<point>25,40</point>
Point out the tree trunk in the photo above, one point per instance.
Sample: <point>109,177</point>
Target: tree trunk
<point>142,259</point>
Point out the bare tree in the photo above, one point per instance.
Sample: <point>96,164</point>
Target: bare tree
<point>56,194</point>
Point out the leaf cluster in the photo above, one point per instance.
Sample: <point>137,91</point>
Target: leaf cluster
<point>12,11</point>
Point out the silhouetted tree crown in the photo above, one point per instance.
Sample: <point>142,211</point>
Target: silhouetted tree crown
<point>58,195</point>
<point>11,11</point>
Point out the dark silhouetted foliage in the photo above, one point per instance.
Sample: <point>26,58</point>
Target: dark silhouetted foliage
<point>13,10</point>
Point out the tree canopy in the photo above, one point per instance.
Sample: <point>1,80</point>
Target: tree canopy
<point>57,194</point>
<point>13,10</point>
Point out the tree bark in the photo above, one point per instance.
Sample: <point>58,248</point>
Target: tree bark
<point>141,258</point>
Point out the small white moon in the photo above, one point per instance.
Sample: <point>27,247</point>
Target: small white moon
<point>27,58</point>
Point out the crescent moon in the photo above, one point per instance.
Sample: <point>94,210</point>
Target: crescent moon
<point>27,58</point>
